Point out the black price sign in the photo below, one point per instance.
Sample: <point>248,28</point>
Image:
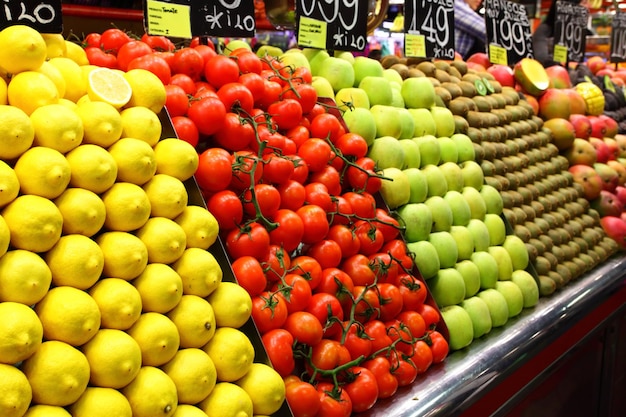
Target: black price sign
<point>570,32</point>
<point>618,38</point>
<point>332,24</point>
<point>44,16</point>
<point>508,32</point>
<point>186,18</point>
<point>429,28</point>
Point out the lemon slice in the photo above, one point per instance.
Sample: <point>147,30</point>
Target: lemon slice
<point>109,86</point>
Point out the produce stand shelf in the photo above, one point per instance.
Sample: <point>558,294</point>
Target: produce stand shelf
<point>478,380</point>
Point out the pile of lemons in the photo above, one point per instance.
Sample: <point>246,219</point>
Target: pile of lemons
<point>111,303</point>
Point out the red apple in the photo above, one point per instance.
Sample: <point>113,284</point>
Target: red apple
<point>615,228</point>
<point>602,149</point>
<point>581,124</point>
<point>480,58</point>
<point>607,204</point>
<point>588,178</point>
<point>559,77</point>
<point>598,126</point>
<point>612,127</point>
<point>503,74</point>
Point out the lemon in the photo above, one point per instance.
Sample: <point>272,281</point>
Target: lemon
<point>168,196</point>
<point>3,91</point>
<point>101,402</point>
<point>42,410</point>
<point>75,84</point>
<point>35,223</point>
<point>9,184</point>
<point>67,103</point>
<point>22,48</point>
<point>194,318</point>
<point>199,270</point>
<point>83,211</point>
<point>102,123</point>
<point>58,127</point>
<point>148,90</point>
<point>76,261</point>
<point>135,159</point>
<point>265,387</point>
<point>57,372</point>
<point>186,410</point>
<point>76,53</point>
<point>231,304</point>
<point>55,75</point>
<point>193,372</point>
<point>55,45</point>
<point>24,277</point>
<point>227,400</point>
<point>119,303</point>
<point>157,337</point>
<point>125,255</point>
<point>200,226</point>
<point>141,123</point>
<point>104,84</point>
<point>114,358</point>
<point>93,168</point>
<point>164,238</point>
<point>152,393</point>
<point>21,332</point>
<point>127,207</point>
<point>29,90</point>
<point>232,353</point>
<point>16,131</point>
<point>160,288</point>
<point>16,392</point>
<point>177,158</point>
<point>5,236</point>
<point>69,315</point>
<point>43,171</point>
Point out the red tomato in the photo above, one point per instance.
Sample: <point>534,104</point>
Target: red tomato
<point>296,291</point>
<point>278,344</point>
<point>186,130</point>
<point>330,177</point>
<point>341,212</point>
<point>401,337</point>
<point>366,304</point>
<point>286,113</point>
<point>302,75</point>
<point>208,114</point>
<point>206,51</point>
<point>404,369</point>
<point>113,39</point>
<point>439,346</point>
<point>236,96</point>
<point>188,61</point>
<point>129,51</point>
<point>269,311</point>
<point>277,169</point>
<point>356,340</point>
<point>384,266</point>
<point>390,301</point>
<point>158,43</point>
<point>277,263</point>
<point>298,134</point>
<point>252,240</point>
<point>348,243</point>
<point>315,223</point>
<point>398,250</point>
<point>315,111</point>
<point>326,126</point>
<point>389,226</point>
<point>253,82</point>
<point>319,306</point>
<point>176,100</point>
<point>309,268</point>
<point>363,204</point>
<point>352,145</point>
<point>235,133</point>
<point>249,274</point>
<point>93,39</point>
<point>327,251</point>
<point>304,93</point>
<point>329,354</point>
<point>422,356</point>
<point>370,237</point>
<point>315,152</point>
<point>302,397</point>
<point>289,231</point>
<point>377,331</point>
<point>214,171</point>
<point>334,402</point>
<point>362,390</point>
<point>414,321</point>
<point>300,169</point>
<point>266,199</point>
<point>413,291</point>
<point>167,57</point>
<point>185,82</point>
<point>430,314</point>
<point>220,70</point>
<point>362,177</point>
<point>358,267</point>
<point>304,327</point>
<point>381,368</point>
<point>247,170</point>
<point>271,94</point>
<point>292,195</point>
<point>248,62</point>
<point>100,58</point>
<point>336,282</point>
<point>317,193</point>
<point>227,209</point>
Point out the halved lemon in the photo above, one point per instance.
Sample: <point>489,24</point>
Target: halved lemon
<point>104,84</point>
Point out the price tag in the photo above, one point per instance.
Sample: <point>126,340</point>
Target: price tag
<point>618,37</point>
<point>345,20</point>
<point>43,16</point>
<point>312,33</point>
<point>508,28</point>
<point>560,54</point>
<point>433,20</point>
<point>570,29</point>
<point>167,19</point>
<point>415,45</point>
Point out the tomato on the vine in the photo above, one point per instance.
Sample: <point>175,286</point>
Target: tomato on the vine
<point>253,240</point>
<point>304,327</point>
<point>269,311</point>
<point>277,169</point>
<point>366,304</point>
<point>422,356</point>
<point>370,237</point>
<point>249,275</point>
<point>390,301</point>
<point>398,251</point>
<point>328,310</point>
<point>131,50</point>
<point>317,194</point>
<point>185,82</point>
<point>439,346</point>
<point>309,268</point>
<point>220,70</point>
<point>214,172</point>
<point>289,230</point>
<point>348,243</point>
<point>271,94</point>
<point>359,268</point>
<point>296,291</point>
<point>363,204</point>
<point>336,282</point>
<point>265,201</point>
<point>327,251</point>
<point>113,39</point>
<point>302,397</point>
<point>330,177</point>
<point>304,93</point>
<point>341,212</point>
<point>381,368</point>
<point>328,354</point>
<point>235,134</point>
<point>255,83</point>
<point>227,209</point>
<point>286,113</point>
<point>278,345</point>
<point>292,195</point>
<point>208,114</point>
<point>377,331</point>
<point>315,152</point>
<point>413,291</point>
<point>277,262</point>
<point>403,369</point>
<point>298,134</point>
<point>334,402</point>
<point>414,322</point>
<point>92,40</point>
<point>153,63</point>
<point>248,61</point>
<point>430,314</point>
<point>352,145</point>
<point>355,339</point>
<point>100,58</point>
<point>158,43</point>
<point>362,390</point>
<point>315,223</point>
<point>326,126</point>
<point>235,97</point>
<point>176,100</point>
<point>247,170</point>
<point>363,177</point>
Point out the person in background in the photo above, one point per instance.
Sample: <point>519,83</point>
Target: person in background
<point>470,33</point>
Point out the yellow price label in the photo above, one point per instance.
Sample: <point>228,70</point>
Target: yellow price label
<point>312,33</point>
<point>415,45</point>
<point>560,53</point>
<point>498,55</point>
<point>168,19</point>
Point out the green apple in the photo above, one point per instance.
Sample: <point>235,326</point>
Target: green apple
<point>337,71</point>
<point>480,234</point>
<point>493,199</point>
<point>424,123</point>
<point>419,185</point>
<point>480,315</point>
<point>478,208</point>
<point>441,212</point>
<point>447,287</point>
<point>503,259</point>
<point>498,307</point>
<point>346,55</point>
<point>461,214</point>
<point>464,146</point>
<point>528,285</point>
<point>407,123</point>
<point>378,90</point>
<point>387,152</point>
<point>444,121</point>
<point>361,121</point>
<point>294,58</point>
<point>397,100</point>
<point>460,326</point>
<point>394,77</point>
<point>449,151</point>
<point>517,251</point>
<point>322,87</point>
<point>418,93</point>
<point>430,151</point>
<point>387,120</point>
<point>437,184</point>
<point>488,268</point>
<point>316,57</point>
<point>473,175</point>
<point>352,97</point>
<point>446,248</point>
<point>417,221</point>
<point>464,242</point>
<point>513,295</point>
<point>412,158</point>
<point>365,66</point>
<point>453,174</point>
<point>395,188</point>
<point>425,257</point>
<point>496,227</point>
<point>269,50</point>
<point>471,275</point>
<point>236,44</point>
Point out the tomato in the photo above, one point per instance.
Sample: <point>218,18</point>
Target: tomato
<point>302,75</point>
<point>277,263</point>
<point>262,197</point>
<point>413,291</point>
<point>92,39</point>
<point>341,212</point>
<point>356,340</point>
<point>381,368</point>
<point>390,301</point>
<point>247,170</point>
<point>235,133</point>
<point>304,327</point>
<point>249,275</point>
<point>363,390</point>
<point>422,356</point>
<point>439,346</point>
<point>336,161</point>
<point>336,282</point>
<point>309,268</point>
<point>328,176</point>
<point>401,337</point>
<point>296,292</point>
<point>327,251</point>
<point>236,96</point>
<point>167,57</point>
<point>269,311</point>
<point>129,51</point>
<point>304,93</point>
<point>317,109</point>
<point>205,51</point>
<point>414,322</point>
<point>227,209</point>
<point>113,39</point>
<point>248,62</point>
<point>204,90</point>
<point>298,134</point>
<point>208,114</point>
<point>325,307</point>
<point>328,354</point>
<point>302,397</point>
<point>317,193</point>
<point>300,169</point>
<point>186,130</point>
<point>253,82</point>
<point>185,82</point>
<point>388,225</point>
<point>347,241</point>
<point>359,268</point>
<point>278,345</point>
<point>100,58</point>
<point>352,146</point>
<point>271,94</point>
<point>220,70</point>
<point>188,61</point>
<point>176,100</point>
<point>315,223</point>
<point>363,177</point>
<point>370,237</point>
<point>214,171</point>
<point>315,152</point>
<point>403,369</point>
<point>430,314</point>
<point>252,240</point>
<point>158,43</point>
<point>289,231</point>
<point>377,331</point>
<point>326,126</point>
<point>277,169</point>
<point>334,402</point>
<point>398,251</point>
<point>366,304</point>
<point>292,195</point>
<point>286,113</point>
<point>363,204</point>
